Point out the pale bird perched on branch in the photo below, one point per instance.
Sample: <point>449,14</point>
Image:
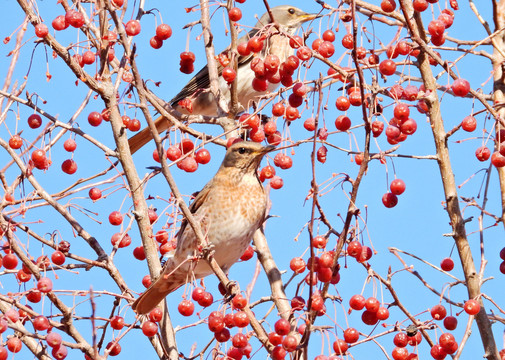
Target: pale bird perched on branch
<point>289,19</point>
<point>230,208</point>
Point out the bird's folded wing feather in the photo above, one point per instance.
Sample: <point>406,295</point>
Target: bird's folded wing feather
<point>193,208</point>
<point>201,79</point>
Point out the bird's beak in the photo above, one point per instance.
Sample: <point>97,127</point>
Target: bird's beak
<point>267,149</point>
<point>308,17</point>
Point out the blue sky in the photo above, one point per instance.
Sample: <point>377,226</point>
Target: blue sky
<point>417,224</point>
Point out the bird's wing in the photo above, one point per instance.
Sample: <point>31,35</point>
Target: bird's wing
<point>193,208</point>
<point>201,79</point>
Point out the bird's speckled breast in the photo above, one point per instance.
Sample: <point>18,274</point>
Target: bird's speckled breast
<point>230,227</point>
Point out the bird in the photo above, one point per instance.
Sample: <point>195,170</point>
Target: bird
<point>197,90</point>
<point>230,208</point>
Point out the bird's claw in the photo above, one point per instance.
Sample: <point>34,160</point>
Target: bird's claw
<point>208,251</point>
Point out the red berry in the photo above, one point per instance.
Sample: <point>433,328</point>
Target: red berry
<point>59,23</point>
<point>297,264</point>
<point>69,145</point>
<point>132,28</point>
<point>282,327</point>
<point>420,5</point>
<point>278,353</point>
<point>450,323</point>
<point>329,35</point>
<point>149,328</point>
<point>343,103</point>
<point>382,313</point>
<point>14,345</point>
<point>117,322</point>
<point>15,142</point>
<point>460,87</point>
<point>369,317</point>
<point>139,254</point>
<point>240,319</point>
<point>469,123</point>
<point>372,304</point>
<point>202,156</point>
<point>114,348</point>
<point>155,315</point>
<point>206,299</point>
<point>319,242</point>
<point>437,352</point>
<point>276,182</point>
<point>389,200</point>
<point>292,113</point>
<point>44,285</point>
<point>255,44</point>
<point>400,353</point>
<point>401,340</point>
<point>447,264</point>
<point>95,193</point>
<point>53,339</point>
<point>41,323</point>
<point>163,31</point>
<point>121,240</point>
<point>472,307</point>
<point>482,153</point>
<point>304,53</point>
<point>388,5</point>
<point>69,166</point>
<point>343,123</point>
<point>235,14</point>
<point>387,67</point>
<point>397,186</point>
<point>295,42</point>
<point>351,335</point>
<point>34,121</point>
<point>115,218</point>
<point>438,312</point>
<point>41,30</point>
<point>357,302</point>
<point>248,253</point>
<point>498,160</point>
<point>340,347</point>
<point>58,258</point>
<point>157,43</point>
<point>222,336</point>
<point>10,261</point>
<point>229,74</point>
<point>436,28</point>
<point>74,18</point>
<point>215,321</point>
<point>348,41</point>
<point>95,118</point>
<point>377,127</point>
<point>321,154</point>
<point>326,49</point>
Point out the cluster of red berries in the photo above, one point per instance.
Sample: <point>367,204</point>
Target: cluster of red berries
<point>42,286</point>
<point>163,32</point>
<point>185,148</point>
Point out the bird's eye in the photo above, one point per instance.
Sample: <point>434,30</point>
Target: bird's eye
<point>291,11</point>
<point>241,150</point>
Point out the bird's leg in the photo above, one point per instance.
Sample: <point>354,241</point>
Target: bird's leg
<point>229,288</point>
<point>207,251</point>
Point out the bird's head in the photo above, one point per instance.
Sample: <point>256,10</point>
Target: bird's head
<point>288,17</point>
<point>245,155</point>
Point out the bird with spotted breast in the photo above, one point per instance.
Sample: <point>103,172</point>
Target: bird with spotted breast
<point>230,208</point>
<point>197,90</point>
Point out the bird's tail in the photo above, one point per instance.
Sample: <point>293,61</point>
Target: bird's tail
<point>173,276</point>
<point>144,136</point>
<point>163,286</point>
